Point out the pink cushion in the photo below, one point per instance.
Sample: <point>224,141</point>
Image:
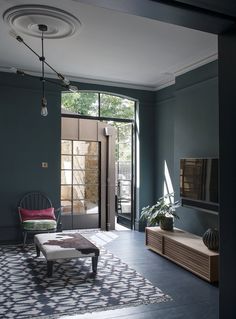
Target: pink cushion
<point>27,214</point>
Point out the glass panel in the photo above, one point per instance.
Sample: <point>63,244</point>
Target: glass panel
<point>79,177</point>
<point>85,148</point>
<point>66,162</point>
<point>125,190</point>
<point>91,193</point>
<point>88,192</point>
<point>124,152</point>
<point>66,177</point>
<point>91,208</point>
<point>85,162</point>
<point>84,103</point>
<point>66,192</point>
<point>85,177</point>
<point>78,207</point>
<point>79,192</point>
<point>124,132</point>
<point>85,207</point>
<point>66,147</point>
<point>115,106</point>
<point>66,207</point>
<point>124,170</point>
<point>126,207</point>
<point>79,162</point>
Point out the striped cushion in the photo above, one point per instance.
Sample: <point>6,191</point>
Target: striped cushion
<point>40,224</point>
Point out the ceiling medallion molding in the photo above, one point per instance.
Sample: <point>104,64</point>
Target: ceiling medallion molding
<point>26,18</point>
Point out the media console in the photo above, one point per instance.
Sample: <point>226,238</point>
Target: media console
<point>186,250</point>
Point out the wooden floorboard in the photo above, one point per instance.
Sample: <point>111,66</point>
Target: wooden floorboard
<point>193,297</point>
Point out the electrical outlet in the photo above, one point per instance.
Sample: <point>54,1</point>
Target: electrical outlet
<point>44,165</point>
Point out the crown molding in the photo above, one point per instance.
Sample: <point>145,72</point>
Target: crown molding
<point>163,83</point>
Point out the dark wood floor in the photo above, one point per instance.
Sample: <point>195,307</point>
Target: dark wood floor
<point>193,298</point>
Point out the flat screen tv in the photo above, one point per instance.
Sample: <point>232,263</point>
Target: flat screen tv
<point>199,183</point>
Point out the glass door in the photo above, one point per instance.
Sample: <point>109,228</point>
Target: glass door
<point>80,186</point>
<point>124,174</point>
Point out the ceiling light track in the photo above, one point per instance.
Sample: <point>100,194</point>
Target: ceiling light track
<point>65,83</point>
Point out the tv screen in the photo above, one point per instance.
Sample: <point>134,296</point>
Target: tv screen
<point>199,182</point>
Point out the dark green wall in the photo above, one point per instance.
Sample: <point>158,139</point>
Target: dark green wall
<point>27,140</point>
<point>179,121</point>
<point>187,126</point>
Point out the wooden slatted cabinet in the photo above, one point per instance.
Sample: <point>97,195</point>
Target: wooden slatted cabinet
<point>185,249</point>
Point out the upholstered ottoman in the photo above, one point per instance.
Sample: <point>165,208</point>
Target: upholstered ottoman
<point>56,246</point>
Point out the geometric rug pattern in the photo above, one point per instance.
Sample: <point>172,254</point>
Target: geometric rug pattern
<point>26,291</point>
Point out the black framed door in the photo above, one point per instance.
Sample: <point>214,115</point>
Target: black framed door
<point>80,184</point>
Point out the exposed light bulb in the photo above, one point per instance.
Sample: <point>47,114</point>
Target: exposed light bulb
<point>73,88</point>
<point>44,110</point>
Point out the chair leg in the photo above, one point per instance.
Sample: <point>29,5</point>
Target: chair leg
<point>24,239</point>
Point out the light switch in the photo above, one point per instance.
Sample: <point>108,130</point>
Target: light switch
<point>44,165</point>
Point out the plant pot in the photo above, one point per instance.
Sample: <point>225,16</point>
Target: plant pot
<point>167,223</point>
<point>211,239</point>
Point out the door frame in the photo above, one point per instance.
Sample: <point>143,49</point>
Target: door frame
<point>134,158</point>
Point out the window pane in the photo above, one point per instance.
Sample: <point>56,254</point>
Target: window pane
<point>85,177</point>
<point>65,193</point>
<point>115,106</point>
<point>124,152</point>
<point>79,192</point>
<point>66,162</point>
<point>79,177</point>
<point>79,162</point>
<point>85,162</point>
<point>84,103</point>
<point>124,170</point>
<point>66,207</point>
<point>66,177</point>
<point>91,193</point>
<point>85,148</point>
<point>79,206</point>
<point>85,207</point>
<point>66,147</point>
<point>124,132</point>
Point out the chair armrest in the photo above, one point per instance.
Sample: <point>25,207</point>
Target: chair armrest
<point>19,214</point>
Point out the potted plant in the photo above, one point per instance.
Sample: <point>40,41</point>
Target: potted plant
<point>162,213</point>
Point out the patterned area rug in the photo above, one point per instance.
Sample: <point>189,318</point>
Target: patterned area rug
<point>26,292</point>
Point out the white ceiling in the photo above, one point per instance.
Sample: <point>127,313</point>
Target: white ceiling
<point>111,47</point>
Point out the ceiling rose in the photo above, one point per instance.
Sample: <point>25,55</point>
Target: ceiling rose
<point>26,19</point>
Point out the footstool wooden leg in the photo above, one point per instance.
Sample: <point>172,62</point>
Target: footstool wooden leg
<point>37,250</point>
<point>49,268</point>
<point>95,263</point>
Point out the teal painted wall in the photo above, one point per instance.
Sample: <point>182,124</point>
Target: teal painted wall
<point>27,139</point>
<point>187,125</point>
